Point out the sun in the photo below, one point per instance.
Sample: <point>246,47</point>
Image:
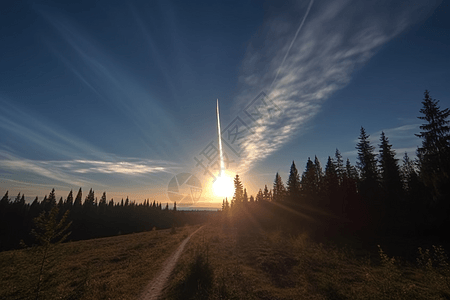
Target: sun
<point>223,186</point>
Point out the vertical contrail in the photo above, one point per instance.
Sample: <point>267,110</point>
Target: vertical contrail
<point>219,134</point>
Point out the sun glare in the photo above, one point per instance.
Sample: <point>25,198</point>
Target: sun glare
<point>223,186</point>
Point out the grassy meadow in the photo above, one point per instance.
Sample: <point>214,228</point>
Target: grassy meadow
<point>106,268</point>
<point>229,264</point>
<point>226,263</point>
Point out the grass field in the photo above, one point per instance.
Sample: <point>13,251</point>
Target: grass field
<point>107,268</point>
<point>227,264</point>
<point>224,263</point>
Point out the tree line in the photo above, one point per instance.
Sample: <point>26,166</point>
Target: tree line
<point>91,218</point>
<point>378,195</point>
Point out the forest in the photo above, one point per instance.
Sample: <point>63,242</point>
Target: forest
<point>378,196</point>
<point>91,218</point>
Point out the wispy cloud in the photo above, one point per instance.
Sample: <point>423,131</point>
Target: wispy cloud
<point>337,38</point>
<point>69,171</point>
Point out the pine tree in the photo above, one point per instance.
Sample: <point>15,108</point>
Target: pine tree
<point>49,231</point>
<point>245,197</point>
<point>89,200</point>
<point>434,155</point>
<point>331,186</point>
<point>266,193</point>
<point>279,191</point>
<point>50,202</point>
<point>5,200</point>
<point>351,202</point>
<point>339,165</point>
<point>69,200</point>
<point>77,203</point>
<point>367,166</point>
<point>391,181</point>
<point>259,196</point>
<point>293,185</point>
<point>238,190</point>
<point>309,182</point>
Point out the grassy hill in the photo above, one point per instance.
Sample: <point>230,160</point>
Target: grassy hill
<point>226,263</point>
<point>107,268</point>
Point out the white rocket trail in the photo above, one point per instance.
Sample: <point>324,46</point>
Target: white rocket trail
<point>219,134</point>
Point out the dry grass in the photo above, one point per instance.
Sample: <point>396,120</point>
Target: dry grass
<point>223,263</point>
<point>271,265</point>
<point>107,268</point>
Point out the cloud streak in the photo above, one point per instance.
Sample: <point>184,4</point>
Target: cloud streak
<point>337,38</point>
<point>69,171</point>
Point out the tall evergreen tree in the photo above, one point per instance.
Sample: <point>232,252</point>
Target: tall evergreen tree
<point>367,166</point>
<point>89,200</point>
<point>331,187</point>
<point>5,200</point>
<point>77,203</point>
<point>339,165</point>
<point>434,155</point>
<point>69,200</point>
<point>279,191</point>
<point>293,185</point>
<point>309,183</point>
<point>245,197</point>
<point>266,196</point>
<point>50,202</point>
<point>238,190</point>
<point>391,181</point>
<point>259,196</point>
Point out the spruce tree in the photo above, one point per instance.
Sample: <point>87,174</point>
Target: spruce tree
<point>367,166</point>
<point>339,165</point>
<point>279,190</point>
<point>434,155</point>
<point>259,196</point>
<point>238,190</point>
<point>391,181</point>
<point>309,182</point>
<point>77,203</point>
<point>266,193</point>
<point>293,185</point>
<point>331,187</point>
<point>69,200</point>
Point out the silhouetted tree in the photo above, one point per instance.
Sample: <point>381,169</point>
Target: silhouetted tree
<point>259,196</point>
<point>293,185</point>
<point>390,178</point>
<point>309,183</point>
<point>331,187</point>
<point>339,166</point>
<point>69,200</point>
<point>367,166</point>
<point>434,155</point>
<point>78,200</point>
<point>238,190</point>
<point>279,191</point>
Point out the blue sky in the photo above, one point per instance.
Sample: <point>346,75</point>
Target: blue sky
<point>120,96</point>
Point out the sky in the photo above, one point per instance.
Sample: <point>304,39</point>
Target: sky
<point>120,96</point>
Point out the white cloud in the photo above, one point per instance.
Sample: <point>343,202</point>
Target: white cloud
<point>337,38</point>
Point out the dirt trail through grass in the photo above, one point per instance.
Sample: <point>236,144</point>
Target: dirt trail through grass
<point>155,287</point>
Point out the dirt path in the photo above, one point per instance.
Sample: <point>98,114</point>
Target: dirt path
<point>155,287</point>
